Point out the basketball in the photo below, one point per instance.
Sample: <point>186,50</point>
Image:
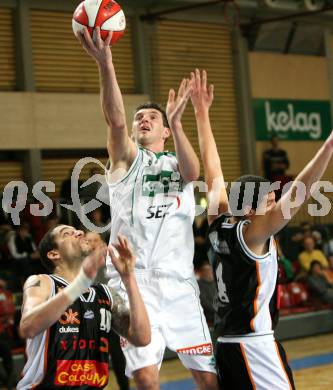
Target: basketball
<point>106,14</point>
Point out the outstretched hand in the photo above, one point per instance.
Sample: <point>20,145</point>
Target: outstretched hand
<point>125,261</point>
<point>94,261</point>
<point>177,104</point>
<point>99,50</point>
<point>201,96</point>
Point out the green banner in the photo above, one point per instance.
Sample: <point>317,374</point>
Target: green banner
<point>292,120</point>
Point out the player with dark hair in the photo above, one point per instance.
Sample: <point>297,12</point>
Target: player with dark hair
<point>152,203</point>
<point>67,320</point>
<point>244,258</point>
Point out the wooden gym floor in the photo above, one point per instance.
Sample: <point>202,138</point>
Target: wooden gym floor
<point>311,359</point>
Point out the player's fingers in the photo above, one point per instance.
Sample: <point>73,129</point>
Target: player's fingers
<point>181,88</point>
<point>197,79</point>
<point>111,252</point>
<point>88,39</point>
<point>211,91</point>
<point>109,38</point>
<point>192,81</point>
<point>122,242</point>
<point>80,37</point>
<point>171,97</point>
<point>188,90</point>
<point>204,80</point>
<point>99,41</point>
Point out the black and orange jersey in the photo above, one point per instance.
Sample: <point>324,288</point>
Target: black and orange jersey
<point>74,352</point>
<point>246,302</point>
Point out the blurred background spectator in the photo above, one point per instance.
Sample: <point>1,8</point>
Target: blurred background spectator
<point>310,253</point>
<point>275,161</point>
<point>275,164</point>
<point>318,283</point>
<point>23,252</point>
<point>7,313</point>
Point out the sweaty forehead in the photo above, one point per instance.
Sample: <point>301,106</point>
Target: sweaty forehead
<point>61,228</point>
<point>147,111</point>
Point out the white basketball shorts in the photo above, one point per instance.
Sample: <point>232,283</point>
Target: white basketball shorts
<point>177,321</point>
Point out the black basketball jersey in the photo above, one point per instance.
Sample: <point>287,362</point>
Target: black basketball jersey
<point>246,301</point>
<point>74,352</point>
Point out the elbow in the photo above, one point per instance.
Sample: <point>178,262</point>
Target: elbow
<point>27,330</point>
<point>192,175</point>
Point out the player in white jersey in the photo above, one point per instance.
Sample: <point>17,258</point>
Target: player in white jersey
<point>152,201</point>
<point>244,258</point>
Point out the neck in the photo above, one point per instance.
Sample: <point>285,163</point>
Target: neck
<point>155,148</point>
<point>68,273</point>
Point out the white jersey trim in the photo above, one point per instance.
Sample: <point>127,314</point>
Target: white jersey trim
<point>246,249</point>
<point>247,339</point>
<point>108,293</point>
<point>92,292</point>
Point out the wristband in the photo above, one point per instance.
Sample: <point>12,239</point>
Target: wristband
<point>78,286</point>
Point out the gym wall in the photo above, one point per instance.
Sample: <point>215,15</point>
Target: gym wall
<point>279,76</point>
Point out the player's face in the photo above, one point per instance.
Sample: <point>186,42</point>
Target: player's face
<point>72,244</point>
<point>148,128</point>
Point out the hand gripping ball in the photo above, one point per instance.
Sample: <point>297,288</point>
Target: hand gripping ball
<point>106,14</point>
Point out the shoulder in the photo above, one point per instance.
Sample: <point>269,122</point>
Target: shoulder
<point>37,288</point>
<point>38,280</point>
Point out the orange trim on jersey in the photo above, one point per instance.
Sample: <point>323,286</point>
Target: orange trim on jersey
<point>255,302</point>
<point>46,349</point>
<point>283,367</point>
<point>247,366</point>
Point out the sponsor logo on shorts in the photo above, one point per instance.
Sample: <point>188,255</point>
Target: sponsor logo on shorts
<point>70,317</point>
<point>81,373</point>
<point>203,349</point>
<point>69,329</point>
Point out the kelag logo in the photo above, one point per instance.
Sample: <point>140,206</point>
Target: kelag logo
<point>292,119</point>
<point>81,372</point>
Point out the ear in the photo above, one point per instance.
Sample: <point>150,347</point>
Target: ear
<point>53,255</point>
<point>166,133</point>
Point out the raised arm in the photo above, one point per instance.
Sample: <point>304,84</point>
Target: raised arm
<point>120,147</point>
<point>277,217</point>
<point>202,98</point>
<point>39,312</point>
<point>189,166</point>
<point>133,324</point>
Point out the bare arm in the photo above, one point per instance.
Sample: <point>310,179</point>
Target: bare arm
<point>39,312</point>
<point>120,147</point>
<point>275,219</point>
<point>189,166</point>
<point>133,324</point>
<point>202,98</point>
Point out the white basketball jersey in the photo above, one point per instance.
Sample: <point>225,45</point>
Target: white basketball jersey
<point>154,208</point>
